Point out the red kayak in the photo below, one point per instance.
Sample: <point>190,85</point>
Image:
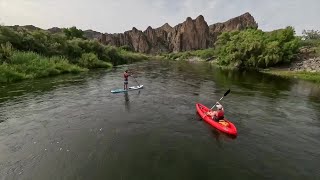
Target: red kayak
<point>223,125</point>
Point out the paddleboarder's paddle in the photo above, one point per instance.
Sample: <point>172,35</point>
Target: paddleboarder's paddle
<point>136,80</point>
<point>131,72</point>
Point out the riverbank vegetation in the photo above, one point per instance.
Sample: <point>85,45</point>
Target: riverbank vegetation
<point>258,49</point>
<point>309,76</point>
<point>203,54</point>
<point>255,49</point>
<point>28,65</point>
<point>311,40</point>
<point>251,48</point>
<point>26,54</point>
<point>309,53</point>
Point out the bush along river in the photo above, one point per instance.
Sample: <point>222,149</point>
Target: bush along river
<point>72,127</point>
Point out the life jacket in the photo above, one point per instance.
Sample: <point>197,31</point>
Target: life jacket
<point>220,114</point>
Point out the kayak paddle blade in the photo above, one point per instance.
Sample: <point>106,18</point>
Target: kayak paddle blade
<point>225,94</point>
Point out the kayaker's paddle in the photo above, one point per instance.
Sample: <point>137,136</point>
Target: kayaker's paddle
<point>225,94</point>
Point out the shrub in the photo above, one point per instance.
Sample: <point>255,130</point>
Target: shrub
<point>255,48</point>
<point>90,60</point>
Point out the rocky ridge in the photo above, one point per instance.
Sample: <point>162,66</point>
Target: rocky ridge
<point>192,34</point>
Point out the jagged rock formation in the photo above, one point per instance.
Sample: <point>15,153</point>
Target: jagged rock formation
<point>133,38</point>
<point>90,34</point>
<point>189,35</point>
<point>55,30</point>
<point>238,23</point>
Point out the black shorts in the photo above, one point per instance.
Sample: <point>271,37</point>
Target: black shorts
<point>215,118</point>
<point>125,82</point>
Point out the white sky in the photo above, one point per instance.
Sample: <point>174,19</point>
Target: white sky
<point>115,16</point>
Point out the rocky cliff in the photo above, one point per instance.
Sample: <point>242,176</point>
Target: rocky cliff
<point>189,35</point>
<point>238,23</point>
<point>192,34</point>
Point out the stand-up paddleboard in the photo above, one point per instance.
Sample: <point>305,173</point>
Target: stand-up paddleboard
<point>136,87</point>
<point>129,89</point>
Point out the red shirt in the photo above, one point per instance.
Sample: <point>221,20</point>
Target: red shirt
<point>220,114</point>
<point>126,75</point>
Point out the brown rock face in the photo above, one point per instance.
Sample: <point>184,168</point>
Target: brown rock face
<point>134,38</point>
<point>189,35</point>
<point>166,27</point>
<point>138,40</point>
<point>158,38</point>
<point>90,34</point>
<point>238,23</point>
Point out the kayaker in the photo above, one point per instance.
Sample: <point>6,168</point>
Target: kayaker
<point>126,75</point>
<point>218,114</point>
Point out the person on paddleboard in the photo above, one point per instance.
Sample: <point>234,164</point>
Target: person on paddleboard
<point>126,77</point>
<point>218,114</point>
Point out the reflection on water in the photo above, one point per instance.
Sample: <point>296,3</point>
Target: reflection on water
<point>127,101</point>
<point>72,127</point>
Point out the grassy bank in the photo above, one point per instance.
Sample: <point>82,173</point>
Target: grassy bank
<point>202,54</point>
<point>29,65</point>
<point>309,76</point>
<point>28,54</point>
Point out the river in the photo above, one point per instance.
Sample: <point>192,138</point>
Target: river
<point>72,127</point>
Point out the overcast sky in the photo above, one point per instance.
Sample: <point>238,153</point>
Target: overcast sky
<point>114,16</point>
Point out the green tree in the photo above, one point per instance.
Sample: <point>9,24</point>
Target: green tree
<point>90,60</point>
<point>73,32</point>
<point>9,35</point>
<point>255,48</point>
<point>311,34</point>
<point>6,51</point>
